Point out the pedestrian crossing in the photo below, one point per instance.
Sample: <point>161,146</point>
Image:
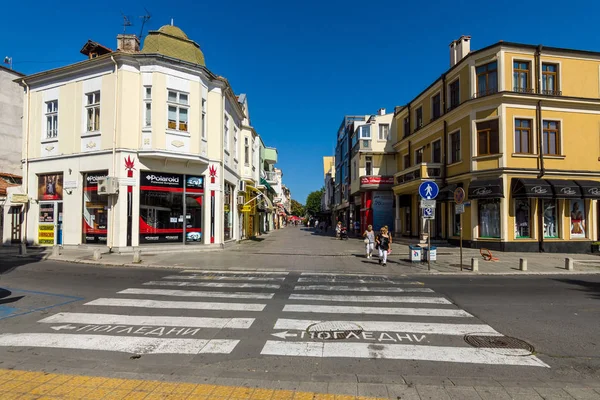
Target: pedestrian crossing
<point>323,315</point>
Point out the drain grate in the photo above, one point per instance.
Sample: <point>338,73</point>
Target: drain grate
<point>498,342</point>
<point>333,330</point>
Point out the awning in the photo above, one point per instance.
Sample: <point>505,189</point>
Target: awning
<point>589,189</point>
<point>486,189</point>
<point>264,182</point>
<point>523,188</point>
<point>447,193</point>
<point>565,189</point>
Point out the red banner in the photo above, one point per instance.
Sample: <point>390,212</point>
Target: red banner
<point>377,180</point>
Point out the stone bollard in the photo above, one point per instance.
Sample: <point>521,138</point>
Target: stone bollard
<point>55,251</point>
<point>97,255</point>
<point>137,256</point>
<point>523,264</point>
<point>474,265</point>
<point>569,264</point>
<point>22,248</point>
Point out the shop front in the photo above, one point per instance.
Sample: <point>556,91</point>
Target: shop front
<point>95,210</point>
<point>376,205</point>
<point>50,217</point>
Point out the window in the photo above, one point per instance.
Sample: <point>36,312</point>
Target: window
<point>384,131</point>
<point>246,152</point>
<point>419,118</point>
<point>455,222</point>
<point>419,156</point>
<point>550,79</point>
<point>203,118</point>
<point>487,79</point>
<point>455,94</point>
<point>365,132</point>
<point>436,151</point>
<point>549,208</point>
<point>93,111</point>
<point>406,161</point>
<point>521,76</point>
<point>147,107</point>
<point>551,137</point>
<point>577,219</point>
<point>369,165</point>
<point>455,147</point>
<point>95,209</point>
<point>178,106</point>
<point>227,211</point>
<point>235,142</point>
<point>226,133</point>
<point>523,136</point>
<point>354,170</point>
<point>522,218</point>
<point>487,138</point>
<point>489,218</point>
<point>52,119</point>
<point>436,104</point>
<point>406,126</point>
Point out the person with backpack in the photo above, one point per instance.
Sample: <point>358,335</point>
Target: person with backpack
<point>383,245</point>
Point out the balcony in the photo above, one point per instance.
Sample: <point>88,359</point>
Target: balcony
<point>271,177</point>
<point>270,155</point>
<point>485,92</point>
<point>422,171</point>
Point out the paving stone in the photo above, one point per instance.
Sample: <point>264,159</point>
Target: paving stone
<point>523,393</point>
<point>403,392</point>
<point>493,393</point>
<point>316,387</point>
<point>583,394</point>
<point>553,393</point>
<point>372,390</point>
<point>342,388</point>
<point>430,392</point>
<point>463,393</point>
<point>475,382</point>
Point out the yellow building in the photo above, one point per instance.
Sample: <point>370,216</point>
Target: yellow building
<point>517,127</point>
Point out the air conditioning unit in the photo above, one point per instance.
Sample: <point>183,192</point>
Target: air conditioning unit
<point>241,200</point>
<point>108,185</point>
<point>242,186</point>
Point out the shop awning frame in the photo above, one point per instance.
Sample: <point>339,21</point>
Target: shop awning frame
<point>565,189</point>
<point>589,189</point>
<point>447,192</point>
<point>486,189</point>
<point>531,188</point>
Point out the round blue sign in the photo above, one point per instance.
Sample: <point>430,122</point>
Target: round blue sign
<point>429,190</point>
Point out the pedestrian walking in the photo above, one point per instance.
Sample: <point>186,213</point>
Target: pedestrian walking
<point>383,245</point>
<point>369,236</point>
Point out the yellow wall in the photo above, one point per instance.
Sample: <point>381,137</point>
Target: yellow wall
<point>577,77</point>
<point>465,146</point>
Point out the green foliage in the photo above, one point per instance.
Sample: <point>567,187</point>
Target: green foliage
<point>313,202</point>
<point>297,209</point>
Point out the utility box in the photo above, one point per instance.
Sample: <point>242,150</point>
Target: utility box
<point>433,256</point>
<point>108,185</point>
<point>415,253</point>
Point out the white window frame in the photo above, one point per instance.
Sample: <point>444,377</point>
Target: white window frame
<point>235,142</point>
<point>246,151</point>
<point>440,106</point>
<point>441,151</point>
<point>226,134</point>
<point>93,106</point>
<point>368,160</point>
<point>52,119</point>
<point>449,94</point>
<point>561,128</point>
<point>558,74</point>
<point>364,128</point>
<point>147,100</point>
<point>422,149</point>
<point>534,143</point>
<point>451,160</point>
<point>204,128</point>
<point>417,126</point>
<point>179,105</point>
<point>531,82</point>
<point>387,136</point>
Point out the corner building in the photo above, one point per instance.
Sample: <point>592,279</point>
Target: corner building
<point>157,121</point>
<point>516,126</point>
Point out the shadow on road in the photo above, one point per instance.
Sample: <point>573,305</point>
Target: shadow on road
<point>10,263</point>
<point>4,299</point>
<point>593,288</point>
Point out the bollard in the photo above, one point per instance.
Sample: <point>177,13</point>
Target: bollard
<point>474,265</point>
<point>523,264</point>
<point>137,256</point>
<point>55,251</point>
<point>22,249</point>
<point>97,255</point>
<point>569,264</point>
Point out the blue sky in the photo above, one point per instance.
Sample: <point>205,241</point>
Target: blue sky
<point>304,64</point>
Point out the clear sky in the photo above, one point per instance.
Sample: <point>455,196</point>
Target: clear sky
<point>304,64</point>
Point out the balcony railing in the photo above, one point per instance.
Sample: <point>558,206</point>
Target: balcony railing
<point>419,171</point>
<point>485,92</point>
<point>552,92</point>
<point>523,90</point>
<point>270,176</point>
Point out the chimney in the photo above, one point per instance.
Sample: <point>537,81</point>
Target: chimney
<point>128,43</point>
<point>459,49</point>
<point>381,111</point>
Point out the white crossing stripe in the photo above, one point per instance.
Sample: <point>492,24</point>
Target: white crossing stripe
<point>195,271</point>
<point>196,293</point>
<point>427,312</point>
<point>387,326</point>
<point>222,278</point>
<point>347,279</point>
<point>151,320</point>
<point>389,289</point>
<point>192,305</point>
<point>402,352</point>
<point>134,345</point>
<point>371,299</point>
<point>334,274</point>
<point>215,284</point>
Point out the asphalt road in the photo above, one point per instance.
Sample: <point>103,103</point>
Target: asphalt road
<point>238,314</point>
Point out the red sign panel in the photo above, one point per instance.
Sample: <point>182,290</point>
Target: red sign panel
<point>377,180</point>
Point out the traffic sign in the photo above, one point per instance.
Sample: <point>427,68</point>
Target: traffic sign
<point>459,195</point>
<point>429,213</point>
<point>459,208</point>
<point>429,190</point>
<point>427,203</point>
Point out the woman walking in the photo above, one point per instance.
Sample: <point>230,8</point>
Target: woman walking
<point>369,236</point>
<point>383,244</point>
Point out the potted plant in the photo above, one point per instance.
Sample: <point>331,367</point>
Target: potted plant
<point>595,247</point>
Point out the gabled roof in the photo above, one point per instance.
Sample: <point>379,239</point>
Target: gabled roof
<point>94,47</point>
<point>8,180</point>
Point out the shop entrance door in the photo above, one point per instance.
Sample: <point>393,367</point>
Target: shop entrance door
<point>16,217</point>
<point>50,226</point>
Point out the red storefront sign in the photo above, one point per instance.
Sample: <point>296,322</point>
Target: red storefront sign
<point>377,180</point>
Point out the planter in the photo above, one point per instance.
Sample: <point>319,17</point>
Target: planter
<point>595,247</point>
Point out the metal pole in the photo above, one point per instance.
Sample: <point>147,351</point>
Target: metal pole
<point>429,245</point>
<point>461,230</point>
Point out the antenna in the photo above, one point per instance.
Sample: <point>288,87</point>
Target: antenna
<point>126,22</point>
<point>145,18</point>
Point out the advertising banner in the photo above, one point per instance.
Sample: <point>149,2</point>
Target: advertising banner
<point>383,210</point>
<point>46,235</point>
<point>50,187</point>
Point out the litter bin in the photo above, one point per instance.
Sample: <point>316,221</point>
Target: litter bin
<point>415,253</point>
<point>433,253</point>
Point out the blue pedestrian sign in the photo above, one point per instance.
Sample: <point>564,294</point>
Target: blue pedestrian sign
<point>429,190</point>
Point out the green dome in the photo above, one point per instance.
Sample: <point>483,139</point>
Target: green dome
<point>171,41</point>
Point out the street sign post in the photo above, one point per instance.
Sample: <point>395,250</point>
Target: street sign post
<point>427,203</point>
<point>459,198</point>
<point>428,190</point>
<point>429,213</point>
<point>459,195</point>
<point>459,209</point>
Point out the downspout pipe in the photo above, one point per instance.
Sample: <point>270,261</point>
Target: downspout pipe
<point>445,133</point>
<point>26,160</point>
<point>114,154</point>
<point>540,146</point>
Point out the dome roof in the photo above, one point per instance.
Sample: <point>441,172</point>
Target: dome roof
<point>171,41</point>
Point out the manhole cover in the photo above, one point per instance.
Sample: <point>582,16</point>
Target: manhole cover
<point>498,343</point>
<point>333,329</point>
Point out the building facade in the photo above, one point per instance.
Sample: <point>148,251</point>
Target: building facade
<point>516,126</point>
<point>162,127</point>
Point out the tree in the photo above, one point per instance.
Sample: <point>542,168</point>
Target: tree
<point>313,202</point>
<point>297,209</point>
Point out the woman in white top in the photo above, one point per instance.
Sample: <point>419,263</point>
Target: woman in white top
<point>369,236</point>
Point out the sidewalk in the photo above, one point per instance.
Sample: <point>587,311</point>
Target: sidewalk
<point>303,249</point>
